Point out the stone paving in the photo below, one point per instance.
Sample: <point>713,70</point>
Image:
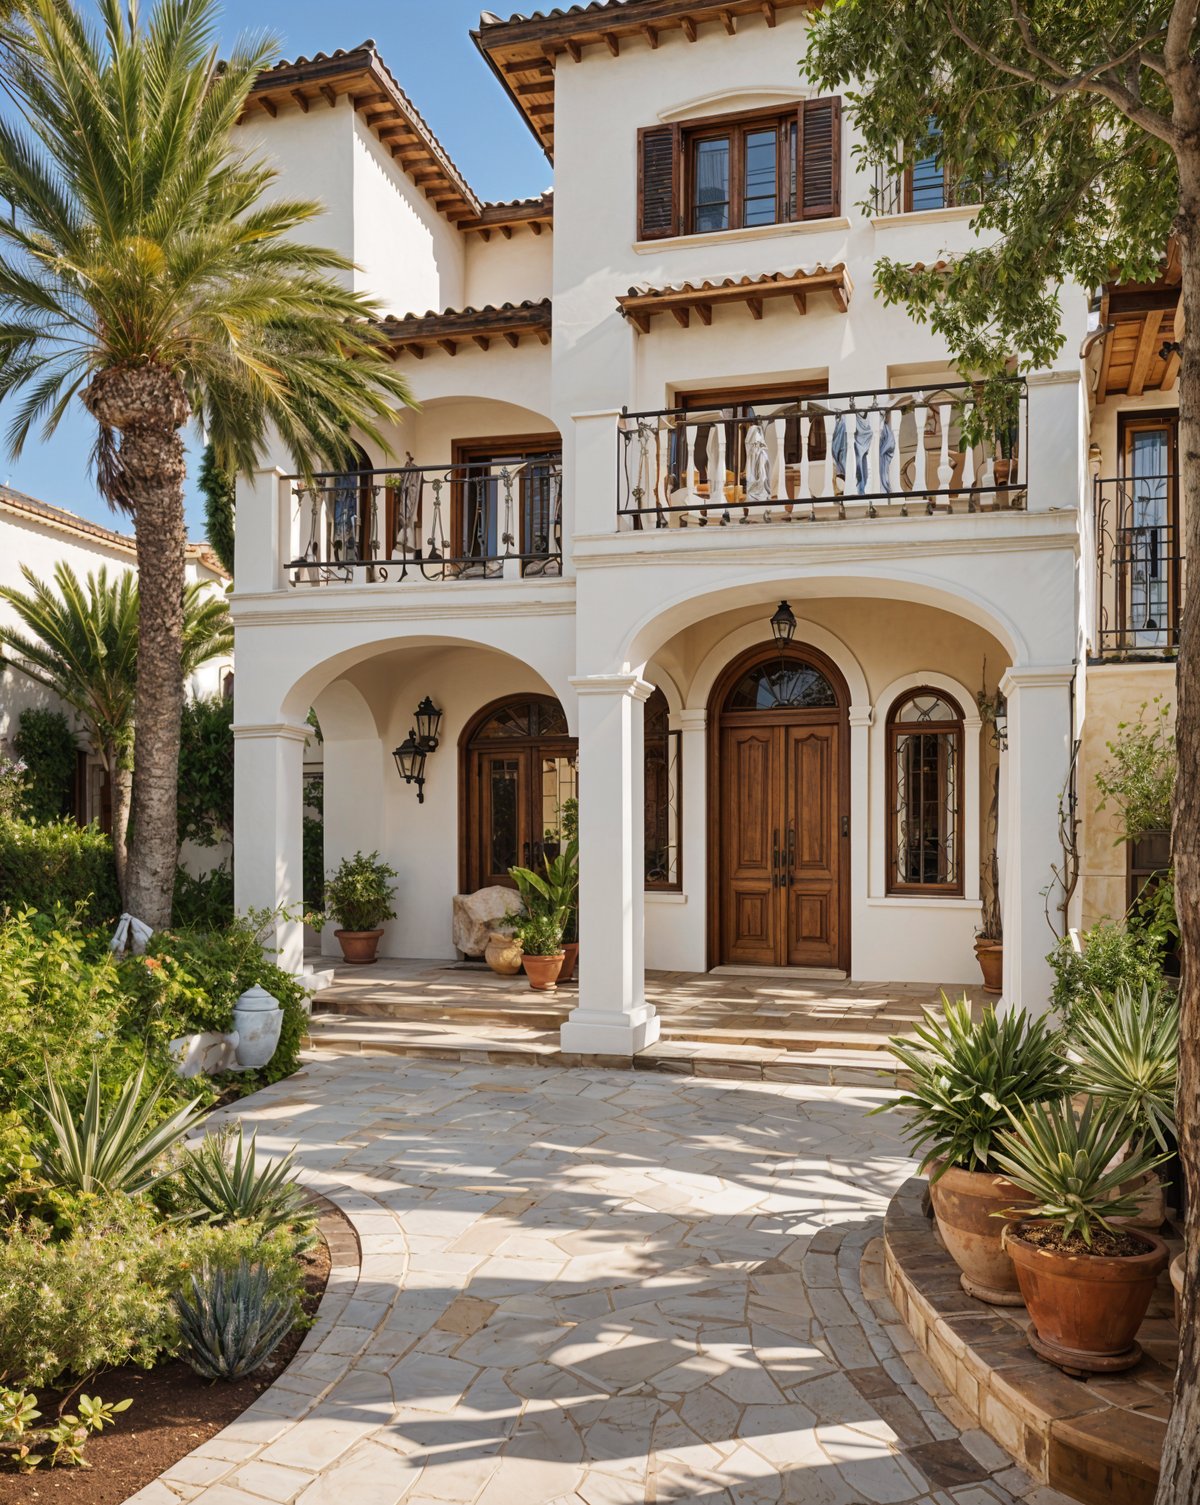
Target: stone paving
<point>588,1287</point>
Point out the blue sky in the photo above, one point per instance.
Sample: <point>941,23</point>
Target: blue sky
<point>426,44</point>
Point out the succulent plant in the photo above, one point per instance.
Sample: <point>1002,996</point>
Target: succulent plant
<point>223,1175</point>
<point>230,1324</point>
<point>1126,1054</point>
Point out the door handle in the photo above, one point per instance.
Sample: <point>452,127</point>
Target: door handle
<point>776,877</point>
<point>845,825</point>
<point>791,854</point>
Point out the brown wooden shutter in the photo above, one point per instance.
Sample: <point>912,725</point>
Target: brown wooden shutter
<point>819,159</point>
<point>658,181</point>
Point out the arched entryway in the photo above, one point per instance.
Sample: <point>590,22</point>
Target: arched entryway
<point>518,781</point>
<point>779,812</point>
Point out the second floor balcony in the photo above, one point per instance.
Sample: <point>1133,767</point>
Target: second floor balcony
<point>1140,566</point>
<point>484,518</point>
<point>819,456</point>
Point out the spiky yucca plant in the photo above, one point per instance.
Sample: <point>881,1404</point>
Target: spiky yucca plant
<point>1065,1161</point>
<point>223,1175</point>
<point>115,1152</point>
<point>965,1076</point>
<point>1127,1055</point>
<point>230,1324</point>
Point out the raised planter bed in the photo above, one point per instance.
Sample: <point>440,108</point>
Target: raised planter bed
<point>1097,1440</point>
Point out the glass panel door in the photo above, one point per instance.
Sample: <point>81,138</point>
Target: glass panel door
<point>503,823</point>
<point>1146,544</point>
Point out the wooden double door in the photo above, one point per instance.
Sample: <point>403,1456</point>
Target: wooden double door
<point>783,840</point>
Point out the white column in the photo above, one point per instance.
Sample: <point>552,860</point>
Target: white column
<point>613,1017</point>
<point>1055,464</point>
<point>1038,761</point>
<point>864,818</point>
<point>268,771</point>
<point>267,533</point>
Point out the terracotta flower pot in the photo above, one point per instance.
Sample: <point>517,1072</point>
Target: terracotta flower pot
<point>990,956</point>
<point>503,954</point>
<point>1086,1308</point>
<point>542,971</point>
<point>570,960</point>
<point>1150,1195</point>
<point>964,1203</point>
<point>359,946</point>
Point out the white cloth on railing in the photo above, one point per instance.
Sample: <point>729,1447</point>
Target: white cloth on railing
<point>131,934</point>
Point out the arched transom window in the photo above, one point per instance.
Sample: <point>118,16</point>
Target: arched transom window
<point>780,684</point>
<point>925,782</point>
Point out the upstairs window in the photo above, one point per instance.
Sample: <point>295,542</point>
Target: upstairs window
<point>734,172</point>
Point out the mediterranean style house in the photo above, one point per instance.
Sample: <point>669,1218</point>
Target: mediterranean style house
<point>690,528</point>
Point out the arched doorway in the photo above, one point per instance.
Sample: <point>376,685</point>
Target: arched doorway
<point>779,802</point>
<point>518,771</point>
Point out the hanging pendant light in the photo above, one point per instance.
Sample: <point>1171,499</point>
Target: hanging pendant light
<point>783,624</point>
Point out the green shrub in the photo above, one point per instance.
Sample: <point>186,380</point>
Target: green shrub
<point>187,1247</point>
<point>48,747</point>
<point>359,894</point>
<point>1113,957</point>
<point>204,903</point>
<point>205,799</point>
<point>62,1441</point>
<point>83,1304</point>
<point>226,1184</point>
<point>229,1324</point>
<point>58,864</point>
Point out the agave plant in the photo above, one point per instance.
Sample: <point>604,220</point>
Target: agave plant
<point>224,1177</point>
<point>1065,1161</point>
<point>231,1325</point>
<point>965,1076</point>
<point>1126,1054</point>
<point>115,1152</point>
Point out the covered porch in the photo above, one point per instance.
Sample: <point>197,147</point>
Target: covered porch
<point>755,1025</point>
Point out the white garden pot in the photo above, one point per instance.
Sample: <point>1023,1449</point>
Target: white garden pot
<point>257,1018</point>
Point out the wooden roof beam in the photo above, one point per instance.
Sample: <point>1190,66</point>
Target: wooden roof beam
<point>801,302</point>
<point>768,10</point>
<point>651,35</point>
<point>640,320</point>
<point>268,105</point>
<point>729,22</point>
<point>682,315</point>
<point>574,49</point>
<point>482,341</point>
<point>449,346</point>
<point>704,313</point>
<point>613,42</point>
<point>543,336</point>
<point>513,338</point>
<point>1147,346</point>
<point>755,306</point>
<point>301,99</point>
<point>689,27</point>
<point>330,94</point>
<point>1170,372</point>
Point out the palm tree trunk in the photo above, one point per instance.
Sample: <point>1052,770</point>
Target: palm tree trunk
<point>120,780</point>
<point>147,406</point>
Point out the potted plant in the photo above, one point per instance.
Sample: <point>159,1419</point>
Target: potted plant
<point>1125,1054</point>
<point>1087,1283</point>
<point>555,891</point>
<point>963,1076</point>
<point>541,938</point>
<point>989,938</point>
<point>359,897</point>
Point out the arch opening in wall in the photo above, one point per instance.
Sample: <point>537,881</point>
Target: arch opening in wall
<point>925,794</point>
<point>779,811</point>
<point>518,783</point>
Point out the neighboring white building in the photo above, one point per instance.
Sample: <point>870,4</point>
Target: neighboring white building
<point>37,536</point>
<point>542,555</point>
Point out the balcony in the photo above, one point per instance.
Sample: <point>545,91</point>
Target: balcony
<point>476,520</point>
<point>819,457</point>
<point>1140,570</point>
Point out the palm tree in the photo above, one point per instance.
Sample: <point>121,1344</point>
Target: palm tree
<point>143,271</point>
<point>80,640</point>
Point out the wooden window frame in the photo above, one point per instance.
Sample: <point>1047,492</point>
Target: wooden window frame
<point>468,451</point>
<point>1158,419</point>
<point>673,743</point>
<point>895,729</point>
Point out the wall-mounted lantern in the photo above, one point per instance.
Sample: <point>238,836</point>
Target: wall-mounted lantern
<point>421,741</point>
<point>783,625</point>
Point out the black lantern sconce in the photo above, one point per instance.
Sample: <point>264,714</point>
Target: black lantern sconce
<point>421,741</point>
<point>783,625</point>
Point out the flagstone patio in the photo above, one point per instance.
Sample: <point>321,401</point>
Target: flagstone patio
<point>593,1287</point>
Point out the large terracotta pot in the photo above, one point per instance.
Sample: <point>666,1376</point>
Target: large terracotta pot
<point>964,1203</point>
<point>542,971</point>
<point>990,956</point>
<point>570,960</point>
<point>503,954</point>
<point>1086,1308</point>
<point>359,946</point>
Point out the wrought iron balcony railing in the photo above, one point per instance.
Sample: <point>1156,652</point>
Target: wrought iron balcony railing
<point>1140,569</point>
<point>815,457</point>
<point>479,520</point>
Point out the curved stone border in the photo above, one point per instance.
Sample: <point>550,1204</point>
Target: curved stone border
<point>1097,1441</point>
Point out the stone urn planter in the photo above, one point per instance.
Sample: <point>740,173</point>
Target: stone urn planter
<point>990,956</point>
<point>1085,1309</point>
<point>503,954</point>
<point>257,1020</point>
<point>542,971</point>
<point>359,946</point>
<point>964,1203</point>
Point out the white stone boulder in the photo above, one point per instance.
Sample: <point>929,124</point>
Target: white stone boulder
<point>477,915</point>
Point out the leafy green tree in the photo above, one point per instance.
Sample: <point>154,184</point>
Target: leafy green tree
<point>148,270</point>
<point>47,745</point>
<point>218,490</point>
<point>1077,129</point>
<point>206,771</point>
<point>80,639</point>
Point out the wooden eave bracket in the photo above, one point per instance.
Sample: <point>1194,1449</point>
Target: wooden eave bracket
<point>641,308</point>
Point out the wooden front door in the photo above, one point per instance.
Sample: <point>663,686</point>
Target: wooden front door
<point>782,822</point>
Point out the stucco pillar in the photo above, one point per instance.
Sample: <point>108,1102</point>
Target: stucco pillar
<point>1055,470</point>
<point>266,536</point>
<point>613,1017</point>
<point>268,772</point>
<point>1038,762</point>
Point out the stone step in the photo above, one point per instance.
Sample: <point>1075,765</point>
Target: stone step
<point>830,1066</point>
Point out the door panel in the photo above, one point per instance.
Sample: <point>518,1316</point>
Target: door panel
<point>811,796</point>
<point>750,787</point>
<point>503,809</point>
